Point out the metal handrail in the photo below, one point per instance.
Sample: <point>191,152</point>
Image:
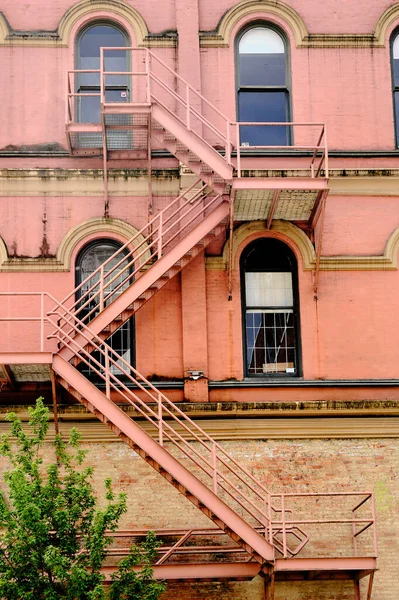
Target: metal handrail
<point>226,476</point>
<point>189,99</point>
<point>142,249</point>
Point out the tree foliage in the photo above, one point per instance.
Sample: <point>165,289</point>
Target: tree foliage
<point>53,534</point>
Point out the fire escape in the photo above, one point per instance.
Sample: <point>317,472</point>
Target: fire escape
<point>278,535</point>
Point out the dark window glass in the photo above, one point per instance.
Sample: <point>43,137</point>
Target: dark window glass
<point>88,58</point>
<point>395,81</point>
<point>263,94</point>
<point>262,69</point>
<point>89,259</point>
<point>270,309</point>
<point>263,106</point>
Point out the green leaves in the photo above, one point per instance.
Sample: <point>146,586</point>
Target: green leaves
<point>53,536</point>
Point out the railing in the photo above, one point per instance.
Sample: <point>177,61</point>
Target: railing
<point>158,236</point>
<point>227,478</point>
<point>151,80</point>
<point>272,514</point>
<point>352,526</point>
<point>319,150</point>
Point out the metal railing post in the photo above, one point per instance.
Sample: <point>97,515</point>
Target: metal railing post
<point>160,233</point>
<point>147,68</point>
<point>188,117</point>
<point>42,322</point>
<point>326,170</point>
<point>160,421</point>
<point>238,150</point>
<point>101,287</point>
<point>214,469</point>
<point>269,513</point>
<point>284,526</point>
<point>107,380</point>
<point>373,513</point>
<point>354,533</point>
<point>228,143</point>
<point>102,82</point>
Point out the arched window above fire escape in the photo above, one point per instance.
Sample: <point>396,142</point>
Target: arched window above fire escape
<point>87,279</point>
<point>101,34</point>
<point>395,81</point>
<point>263,94</point>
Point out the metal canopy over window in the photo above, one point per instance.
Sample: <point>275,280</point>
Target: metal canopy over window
<point>269,278</point>
<point>262,94</point>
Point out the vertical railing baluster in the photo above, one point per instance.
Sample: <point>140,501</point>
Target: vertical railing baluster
<point>373,513</point>
<point>284,526</point>
<point>107,379</point>
<point>228,143</point>
<point>214,469</point>
<point>147,68</point>
<point>238,150</point>
<point>160,420</point>
<point>102,287</point>
<point>42,322</point>
<point>188,116</point>
<point>269,514</point>
<point>160,233</point>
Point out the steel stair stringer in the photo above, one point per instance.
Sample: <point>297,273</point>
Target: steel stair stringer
<point>206,153</point>
<point>111,312</point>
<point>163,462</point>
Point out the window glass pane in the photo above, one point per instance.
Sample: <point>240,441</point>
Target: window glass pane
<point>396,72</point>
<point>262,58</point>
<point>263,106</point>
<point>397,113</point>
<point>270,342</point>
<point>261,40</point>
<point>268,289</point>
<point>262,69</point>
<point>89,260</point>
<point>89,55</point>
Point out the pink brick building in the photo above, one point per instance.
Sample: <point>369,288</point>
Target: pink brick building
<point>199,236</point>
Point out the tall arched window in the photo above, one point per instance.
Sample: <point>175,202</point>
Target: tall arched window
<point>262,85</point>
<point>88,260</point>
<point>270,309</point>
<point>395,81</point>
<point>89,42</point>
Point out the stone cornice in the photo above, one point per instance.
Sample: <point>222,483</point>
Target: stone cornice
<point>229,429</point>
<point>386,262</point>
<point>60,38</point>
<point>247,10</point>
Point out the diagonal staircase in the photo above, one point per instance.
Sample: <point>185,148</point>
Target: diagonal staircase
<point>146,263</point>
<point>203,472</point>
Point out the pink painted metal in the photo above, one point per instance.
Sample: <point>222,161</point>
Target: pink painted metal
<point>125,293</point>
<point>267,516</point>
<point>161,459</point>
<point>153,82</point>
<point>200,572</point>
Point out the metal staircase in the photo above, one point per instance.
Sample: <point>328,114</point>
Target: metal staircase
<point>202,471</point>
<point>181,120</point>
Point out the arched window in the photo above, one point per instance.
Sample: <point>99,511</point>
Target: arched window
<point>88,260</point>
<point>395,81</point>
<point>117,88</point>
<point>262,86</point>
<point>270,309</point>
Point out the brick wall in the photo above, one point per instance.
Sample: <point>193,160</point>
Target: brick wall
<point>284,466</point>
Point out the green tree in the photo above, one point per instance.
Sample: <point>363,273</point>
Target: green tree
<point>53,535</point>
